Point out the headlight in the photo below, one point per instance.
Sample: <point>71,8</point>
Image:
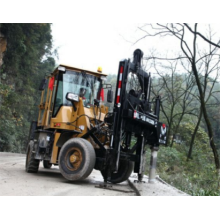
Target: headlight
<point>62,69</point>
<point>72,97</point>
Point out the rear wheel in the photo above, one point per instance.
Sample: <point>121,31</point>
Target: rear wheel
<point>47,164</point>
<point>124,171</point>
<point>31,164</point>
<point>76,159</point>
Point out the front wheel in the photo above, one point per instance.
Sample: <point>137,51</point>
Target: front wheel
<point>76,159</point>
<point>124,171</point>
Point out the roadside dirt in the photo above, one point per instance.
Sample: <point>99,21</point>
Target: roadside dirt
<point>14,181</point>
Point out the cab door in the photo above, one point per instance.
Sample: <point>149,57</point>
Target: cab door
<point>46,103</point>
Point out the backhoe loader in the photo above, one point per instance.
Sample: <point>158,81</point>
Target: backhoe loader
<point>77,132</point>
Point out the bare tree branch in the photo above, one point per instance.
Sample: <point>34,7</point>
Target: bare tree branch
<point>202,36</point>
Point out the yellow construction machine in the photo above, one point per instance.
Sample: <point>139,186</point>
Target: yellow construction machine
<point>76,131</point>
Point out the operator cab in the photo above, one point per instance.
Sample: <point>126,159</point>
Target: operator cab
<point>65,83</point>
<point>84,85</point>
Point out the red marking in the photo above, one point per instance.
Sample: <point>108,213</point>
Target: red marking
<point>102,94</point>
<point>119,84</point>
<point>57,124</point>
<point>135,114</point>
<point>164,126</point>
<point>121,69</point>
<point>51,82</point>
<point>118,99</point>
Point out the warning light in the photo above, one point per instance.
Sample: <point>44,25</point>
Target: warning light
<point>99,69</point>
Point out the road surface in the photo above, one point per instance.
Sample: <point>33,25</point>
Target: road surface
<point>14,181</point>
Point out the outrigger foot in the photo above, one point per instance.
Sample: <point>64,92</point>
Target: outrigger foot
<point>140,179</point>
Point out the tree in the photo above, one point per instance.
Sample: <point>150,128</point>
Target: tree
<point>189,53</point>
<point>177,92</point>
<point>208,87</point>
<point>27,59</point>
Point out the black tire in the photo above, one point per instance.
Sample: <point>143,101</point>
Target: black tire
<point>76,159</point>
<point>47,164</point>
<point>31,165</point>
<point>124,171</point>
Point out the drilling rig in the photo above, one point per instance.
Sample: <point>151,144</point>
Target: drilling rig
<point>77,132</point>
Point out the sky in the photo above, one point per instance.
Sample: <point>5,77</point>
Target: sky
<point>90,45</point>
<point>96,33</point>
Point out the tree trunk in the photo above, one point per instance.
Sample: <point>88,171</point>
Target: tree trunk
<point>189,156</point>
<point>178,125</point>
<point>204,111</point>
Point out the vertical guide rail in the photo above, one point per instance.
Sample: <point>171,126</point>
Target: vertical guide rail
<point>148,89</point>
<point>118,109</point>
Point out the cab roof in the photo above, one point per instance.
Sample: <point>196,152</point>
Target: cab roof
<point>68,67</point>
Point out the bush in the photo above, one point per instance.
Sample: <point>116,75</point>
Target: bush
<point>196,177</point>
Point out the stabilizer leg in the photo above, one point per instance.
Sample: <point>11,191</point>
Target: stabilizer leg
<point>141,168</point>
<point>153,164</point>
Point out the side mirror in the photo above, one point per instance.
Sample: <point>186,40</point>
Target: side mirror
<point>43,84</point>
<point>72,97</point>
<point>110,96</point>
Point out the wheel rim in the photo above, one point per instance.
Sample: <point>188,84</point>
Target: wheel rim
<point>73,159</point>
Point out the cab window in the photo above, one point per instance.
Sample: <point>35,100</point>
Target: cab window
<point>80,83</point>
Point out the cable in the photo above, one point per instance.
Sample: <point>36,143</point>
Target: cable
<point>100,113</point>
<point>80,117</point>
<point>71,123</point>
<point>94,114</point>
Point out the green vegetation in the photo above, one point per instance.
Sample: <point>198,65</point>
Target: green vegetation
<point>26,61</point>
<point>195,177</point>
<point>197,174</point>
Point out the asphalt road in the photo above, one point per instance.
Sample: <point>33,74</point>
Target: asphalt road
<point>15,181</point>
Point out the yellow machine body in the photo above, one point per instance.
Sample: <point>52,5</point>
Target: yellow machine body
<point>67,118</point>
